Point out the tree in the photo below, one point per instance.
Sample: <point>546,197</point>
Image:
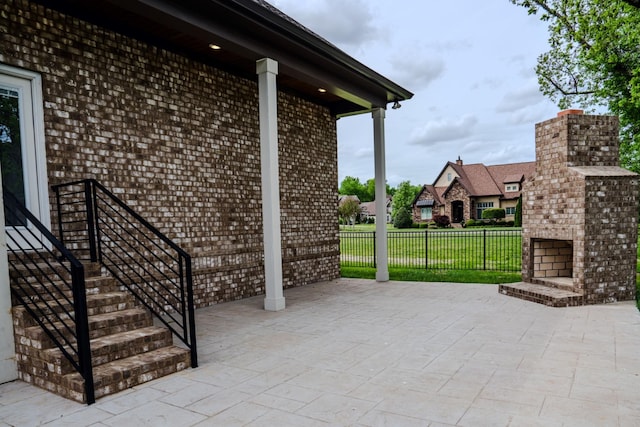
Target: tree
<point>348,209</point>
<point>370,190</point>
<point>493,213</point>
<point>351,186</point>
<point>403,197</point>
<point>366,192</point>
<point>403,218</point>
<point>517,220</point>
<point>594,61</point>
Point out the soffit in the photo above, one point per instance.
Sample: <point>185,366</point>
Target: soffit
<point>247,31</point>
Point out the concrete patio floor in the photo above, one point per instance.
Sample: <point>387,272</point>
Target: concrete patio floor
<point>360,353</point>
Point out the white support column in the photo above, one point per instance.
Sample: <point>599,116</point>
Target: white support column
<point>382,271</point>
<point>267,70</point>
<point>8,367</point>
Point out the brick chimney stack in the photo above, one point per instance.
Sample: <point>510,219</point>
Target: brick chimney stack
<point>459,161</point>
<point>579,215</point>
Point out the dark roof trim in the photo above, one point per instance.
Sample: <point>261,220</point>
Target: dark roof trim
<point>306,37</point>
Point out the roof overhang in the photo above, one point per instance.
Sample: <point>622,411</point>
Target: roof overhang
<point>246,31</point>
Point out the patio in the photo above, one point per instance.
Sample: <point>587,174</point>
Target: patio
<point>362,353</point>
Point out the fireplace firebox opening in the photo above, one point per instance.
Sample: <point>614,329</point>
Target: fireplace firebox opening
<point>552,258</point>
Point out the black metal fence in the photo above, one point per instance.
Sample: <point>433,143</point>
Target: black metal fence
<point>481,249</point>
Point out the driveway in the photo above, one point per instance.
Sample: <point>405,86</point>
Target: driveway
<point>354,352</point>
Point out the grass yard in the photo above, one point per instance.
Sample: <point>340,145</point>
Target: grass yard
<point>421,275</point>
<point>476,249</point>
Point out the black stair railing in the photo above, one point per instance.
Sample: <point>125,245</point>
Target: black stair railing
<point>48,280</point>
<point>94,222</point>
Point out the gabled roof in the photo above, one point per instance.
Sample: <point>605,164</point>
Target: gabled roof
<point>437,196</point>
<point>512,172</point>
<point>368,208</point>
<point>246,30</point>
<point>481,181</point>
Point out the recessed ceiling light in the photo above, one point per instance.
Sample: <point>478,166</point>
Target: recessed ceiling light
<point>321,90</point>
<point>214,46</point>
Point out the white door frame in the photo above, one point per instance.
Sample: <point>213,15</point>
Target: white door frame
<point>29,87</point>
<point>8,366</point>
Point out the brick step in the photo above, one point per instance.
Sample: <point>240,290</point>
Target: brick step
<point>541,294</point>
<point>100,325</point>
<point>102,303</point>
<point>48,291</point>
<point>122,374</point>
<point>564,283</point>
<point>40,267</point>
<point>112,347</point>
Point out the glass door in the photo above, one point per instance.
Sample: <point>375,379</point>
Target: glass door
<point>22,149</point>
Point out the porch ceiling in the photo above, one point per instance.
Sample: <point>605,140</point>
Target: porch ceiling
<point>246,30</point>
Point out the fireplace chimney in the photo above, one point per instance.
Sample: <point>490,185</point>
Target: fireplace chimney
<point>459,161</point>
<point>579,215</point>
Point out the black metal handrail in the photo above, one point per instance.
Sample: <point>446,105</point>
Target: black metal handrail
<point>49,282</point>
<point>93,221</point>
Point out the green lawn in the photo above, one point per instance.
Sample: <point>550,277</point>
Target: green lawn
<point>420,275</point>
<point>457,249</point>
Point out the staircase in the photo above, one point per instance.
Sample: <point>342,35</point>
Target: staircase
<point>86,329</point>
<point>126,348</point>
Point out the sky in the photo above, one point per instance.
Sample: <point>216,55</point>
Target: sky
<point>471,67</point>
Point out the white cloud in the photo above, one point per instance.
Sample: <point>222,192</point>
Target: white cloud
<point>526,96</point>
<point>344,23</point>
<point>417,72</point>
<point>443,130</point>
<point>363,153</point>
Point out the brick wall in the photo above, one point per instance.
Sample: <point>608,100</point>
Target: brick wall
<point>178,140</point>
<point>552,258</point>
<point>458,192</point>
<point>435,208</point>
<point>580,198</point>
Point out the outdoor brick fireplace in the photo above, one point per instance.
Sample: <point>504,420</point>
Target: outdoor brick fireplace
<point>579,216</point>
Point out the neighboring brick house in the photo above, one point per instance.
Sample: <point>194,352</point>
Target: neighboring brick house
<point>462,192</point>
<point>202,116</point>
<point>368,209</point>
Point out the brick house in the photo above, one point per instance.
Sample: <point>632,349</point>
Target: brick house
<point>368,210</point>
<point>462,191</point>
<point>216,121</point>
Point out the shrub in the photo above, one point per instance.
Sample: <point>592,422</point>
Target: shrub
<point>442,221</point>
<point>471,223</point>
<point>518,216</point>
<point>423,225</point>
<point>493,213</point>
<point>403,219</point>
<point>509,223</point>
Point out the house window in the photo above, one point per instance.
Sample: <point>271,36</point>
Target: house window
<point>426,213</point>
<point>512,187</point>
<point>481,206</point>
<point>449,177</point>
<point>510,211</point>
<point>22,148</point>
